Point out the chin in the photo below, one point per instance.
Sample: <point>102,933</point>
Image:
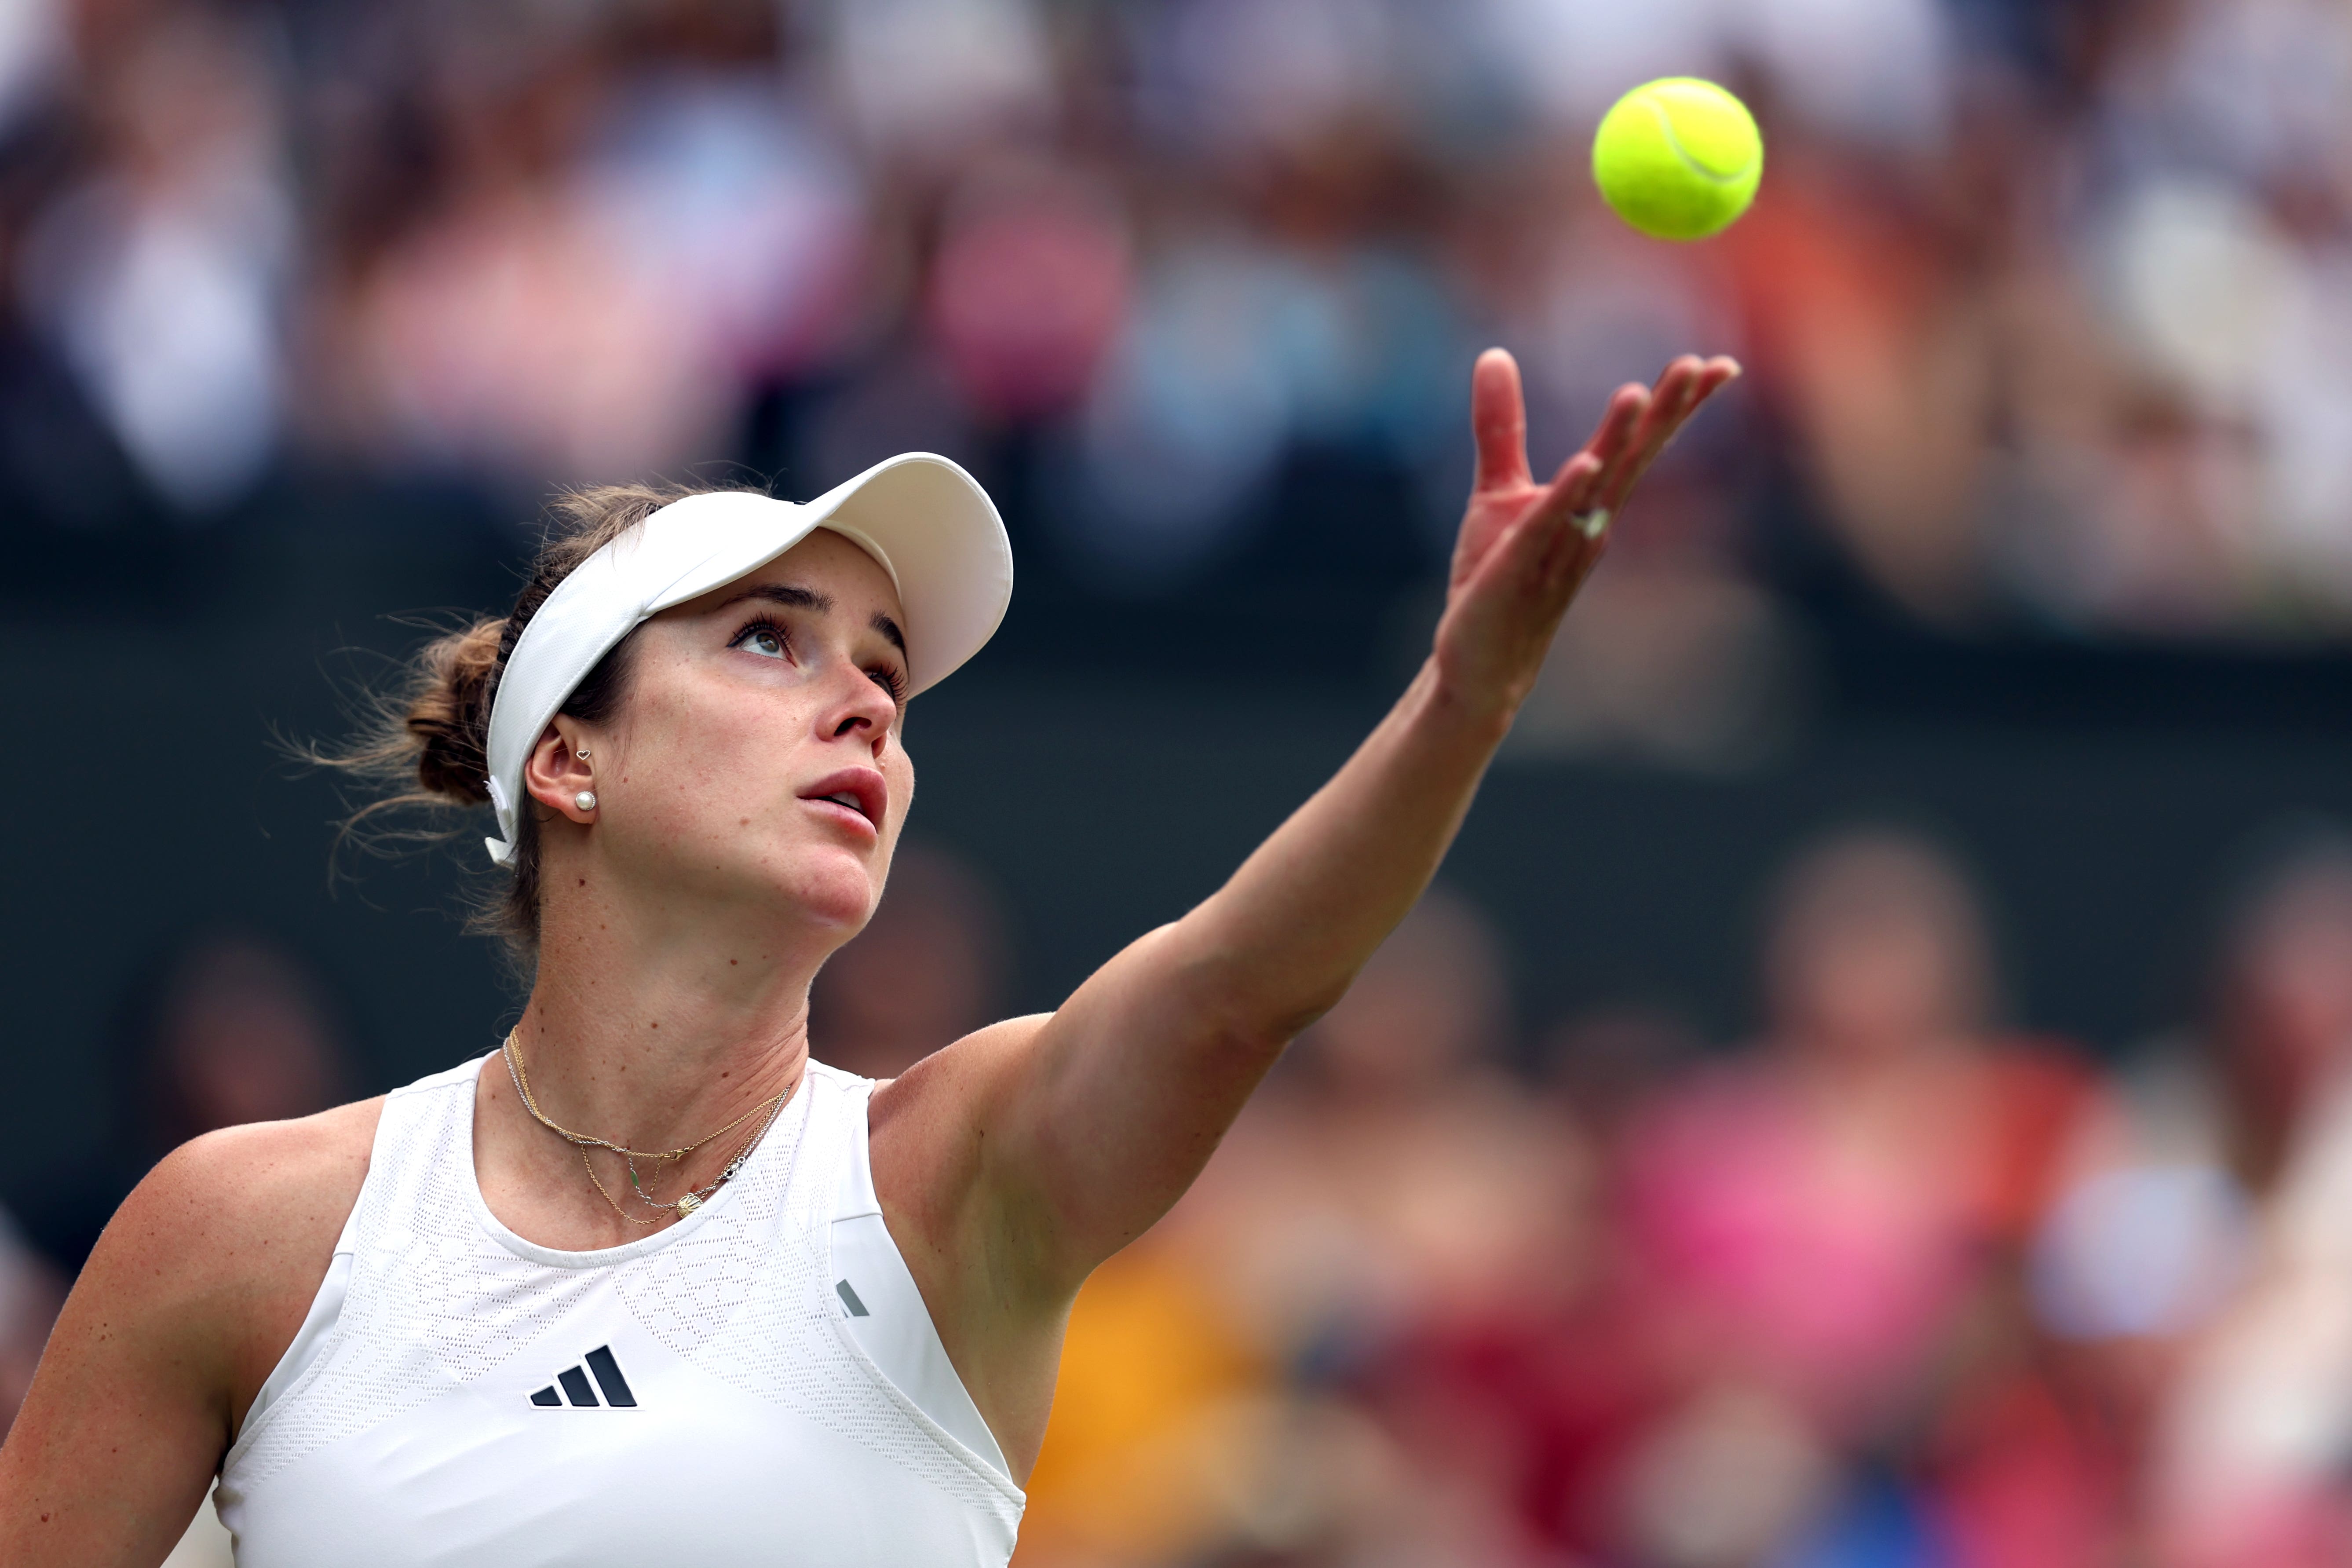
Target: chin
<point>833,887</point>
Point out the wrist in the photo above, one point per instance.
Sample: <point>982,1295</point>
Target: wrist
<point>1477,714</point>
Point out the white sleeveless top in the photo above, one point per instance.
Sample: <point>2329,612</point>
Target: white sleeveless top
<point>759,1383</point>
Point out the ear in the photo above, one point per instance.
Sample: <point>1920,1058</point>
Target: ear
<point>555,772</point>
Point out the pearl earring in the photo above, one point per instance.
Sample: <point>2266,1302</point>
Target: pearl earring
<point>585,800</point>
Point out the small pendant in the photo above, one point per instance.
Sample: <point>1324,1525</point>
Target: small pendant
<point>688,1204</point>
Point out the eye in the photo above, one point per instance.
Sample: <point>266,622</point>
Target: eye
<point>891,682</point>
<point>763,637</point>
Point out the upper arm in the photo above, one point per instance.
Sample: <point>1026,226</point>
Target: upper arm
<point>195,1289</point>
<point>1039,1146</point>
<point>1013,1161</point>
<point>1103,1114</point>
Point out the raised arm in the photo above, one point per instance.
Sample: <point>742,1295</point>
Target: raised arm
<point>1085,1126</point>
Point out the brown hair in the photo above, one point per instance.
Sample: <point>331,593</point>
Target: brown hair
<point>425,743</point>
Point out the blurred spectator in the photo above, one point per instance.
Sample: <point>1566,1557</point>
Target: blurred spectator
<point>1194,411</point>
<point>1389,1164</point>
<point>1164,1421</point>
<point>1816,1223</point>
<point>1386,1176</point>
<point>2044,302</point>
<point>1029,288</point>
<point>929,969</point>
<point>1878,71</point>
<point>1816,1196</point>
<point>929,77</point>
<point>1608,1063</point>
<point>225,1029</point>
<point>161,280</point>
<point>598,291</point>
<point>2257,1442</point>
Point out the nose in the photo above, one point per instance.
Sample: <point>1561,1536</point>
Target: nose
<point>863,711</point>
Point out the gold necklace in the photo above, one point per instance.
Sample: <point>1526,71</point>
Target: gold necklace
<point>693,1199</point>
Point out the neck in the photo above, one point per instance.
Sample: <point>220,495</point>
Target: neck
<point>652,1031</point>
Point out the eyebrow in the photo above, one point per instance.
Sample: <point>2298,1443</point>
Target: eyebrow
<point>799,598</point>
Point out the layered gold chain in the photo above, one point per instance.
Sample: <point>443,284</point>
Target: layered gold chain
<point>681,1206</point>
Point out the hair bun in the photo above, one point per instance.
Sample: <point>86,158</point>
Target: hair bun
<point>449,712</point>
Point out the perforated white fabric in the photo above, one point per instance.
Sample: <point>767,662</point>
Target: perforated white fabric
<point>412,1437</point>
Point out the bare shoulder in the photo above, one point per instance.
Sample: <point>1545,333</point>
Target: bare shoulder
<point>929,1128</point>
<point>931,1115</point>
<point>235,1229</point>
<point>265,1188</point>
<point>971,1067</point>
<point>187,1302</point>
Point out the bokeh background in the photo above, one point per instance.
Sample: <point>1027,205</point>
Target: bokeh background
<point>1874,1086</point>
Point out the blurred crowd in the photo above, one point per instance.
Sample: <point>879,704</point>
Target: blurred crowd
<point>1889,1285</point>
<point>2047,306</point>
<point>2045,300</point>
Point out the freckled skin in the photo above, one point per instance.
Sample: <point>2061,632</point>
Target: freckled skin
<point>1009,1164</point>
<point>211,1265</point>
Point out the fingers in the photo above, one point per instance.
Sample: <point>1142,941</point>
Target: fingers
<point>1498,418</point>
<point>1576,486</point>
<point>1635,428</point>
<point>1537,558</point>
<point>1671,403</point>
<point>1687,383</point>
<point>1582,483</point>
<point>1558,548</point>
<point>1549,552</point>
<point>1551,536</point>
<point>1621,422</point>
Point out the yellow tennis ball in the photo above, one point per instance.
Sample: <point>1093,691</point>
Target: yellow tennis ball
<point>1678,159</point>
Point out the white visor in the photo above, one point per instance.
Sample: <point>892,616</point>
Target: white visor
<point>928,523</point>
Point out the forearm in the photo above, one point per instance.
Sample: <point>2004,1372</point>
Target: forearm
<point>1278,944</point>
<point>1096,1122</point>
<point>1120,1098</point>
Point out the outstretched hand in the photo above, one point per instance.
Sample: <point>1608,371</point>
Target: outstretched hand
<point>1152,1058</point>
<point>1526,548</point>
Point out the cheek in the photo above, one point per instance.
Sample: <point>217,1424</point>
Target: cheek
<point>900,772</point>
<point>704,767</point>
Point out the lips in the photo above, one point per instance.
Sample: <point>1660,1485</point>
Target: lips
<point>859,790</point>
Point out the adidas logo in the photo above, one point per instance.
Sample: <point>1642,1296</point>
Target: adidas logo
<point>574,1381</point>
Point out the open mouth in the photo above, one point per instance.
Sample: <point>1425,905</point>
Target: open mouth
<point>860,790</point>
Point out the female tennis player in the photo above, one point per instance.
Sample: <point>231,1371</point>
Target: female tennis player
<point>645,1284</point>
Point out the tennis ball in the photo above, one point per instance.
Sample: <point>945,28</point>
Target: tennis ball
<point>1678,159</point>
